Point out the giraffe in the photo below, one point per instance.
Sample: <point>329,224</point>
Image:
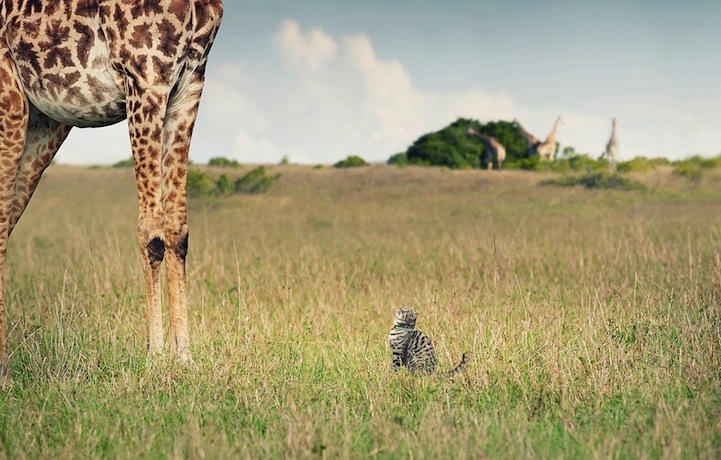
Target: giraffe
<point>532,141</point>
<point>547,148</point>
<point>90,63</point>
<point>496,149</point>
<point>612,147</point>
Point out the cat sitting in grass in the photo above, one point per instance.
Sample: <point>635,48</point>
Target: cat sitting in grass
<point>414,349</point>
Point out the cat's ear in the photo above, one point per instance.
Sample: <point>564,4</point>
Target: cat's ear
<point>398,312</point>
<point>414,314</point>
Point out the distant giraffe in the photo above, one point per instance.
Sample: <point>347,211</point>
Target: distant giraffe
<point>90,63</point>
<point>532,141</point>
<point>612,147</point>
<point>547,149</point>
<point>496,149</point>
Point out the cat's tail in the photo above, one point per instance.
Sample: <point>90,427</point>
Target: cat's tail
<point>459,368</point>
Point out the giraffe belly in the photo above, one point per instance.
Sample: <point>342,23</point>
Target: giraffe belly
<point>65,68</point>
<point>88,98</point>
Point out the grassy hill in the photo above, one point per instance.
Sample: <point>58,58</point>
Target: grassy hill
<point>591,317</point>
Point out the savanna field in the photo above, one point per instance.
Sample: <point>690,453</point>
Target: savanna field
<point>592,318</point>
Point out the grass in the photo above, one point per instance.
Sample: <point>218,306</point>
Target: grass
<point>596,180</point>
<point>592,319</point>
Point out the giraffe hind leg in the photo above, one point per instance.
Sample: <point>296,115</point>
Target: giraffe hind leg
<point>13,128</point>
<point>42,143</point>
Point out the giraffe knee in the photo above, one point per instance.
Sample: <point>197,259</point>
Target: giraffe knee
<point>181,248</point>
<point>156,251</point>
<point>178,243</point>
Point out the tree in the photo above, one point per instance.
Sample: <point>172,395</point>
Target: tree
<point>454,148</point>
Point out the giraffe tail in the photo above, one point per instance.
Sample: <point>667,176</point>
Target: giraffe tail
<point>458,368</point>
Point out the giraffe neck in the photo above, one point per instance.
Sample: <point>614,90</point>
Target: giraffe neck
<point>530,137</point>
<point>483,137</point>
<point>552,136</point>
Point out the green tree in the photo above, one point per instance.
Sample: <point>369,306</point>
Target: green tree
<point>455,148</point>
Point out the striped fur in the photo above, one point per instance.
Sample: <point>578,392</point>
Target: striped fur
<point>414,349</point>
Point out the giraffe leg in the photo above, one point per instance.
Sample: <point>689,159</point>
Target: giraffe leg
<point>41,145</point>
<point>13,126</point>
<point>175,162</point>
<point>146,112</point>
<point>178,131</point>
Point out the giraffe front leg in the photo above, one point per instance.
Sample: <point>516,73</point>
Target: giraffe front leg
<point>146,114</point>
<point>178,131</point>
<point>13,128</point>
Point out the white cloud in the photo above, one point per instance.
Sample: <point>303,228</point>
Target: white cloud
<point>341,99</point>
<point>309,50</point>
<point>324,98</point>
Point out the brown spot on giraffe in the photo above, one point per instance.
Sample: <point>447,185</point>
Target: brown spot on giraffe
<point>85,42</point>
<point>93,63</point>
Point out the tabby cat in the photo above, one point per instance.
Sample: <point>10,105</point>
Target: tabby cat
<point>412,348</point>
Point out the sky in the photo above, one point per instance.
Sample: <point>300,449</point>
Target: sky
<point>319,80</point>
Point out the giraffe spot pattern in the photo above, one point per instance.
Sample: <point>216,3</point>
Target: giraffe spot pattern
<point>91,63</point>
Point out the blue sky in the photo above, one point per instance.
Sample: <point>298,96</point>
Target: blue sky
<point>320,80</point>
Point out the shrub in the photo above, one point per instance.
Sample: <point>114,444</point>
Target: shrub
<point>199,184</point>
<point>572,162</point>
<point>711,163</point>
<point>529,164</point>
<point>582,162</point>
<point>700,162</point>
<point>688,169</point>
<point>223,162</point>
<point>256,181</point>
<point>351,162</point>
<point>127,163</point>
<point>597,180</point>
<point>641,164</point>
<point>224,186</point>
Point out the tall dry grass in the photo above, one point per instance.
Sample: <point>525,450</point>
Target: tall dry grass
<point>592,318</point>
